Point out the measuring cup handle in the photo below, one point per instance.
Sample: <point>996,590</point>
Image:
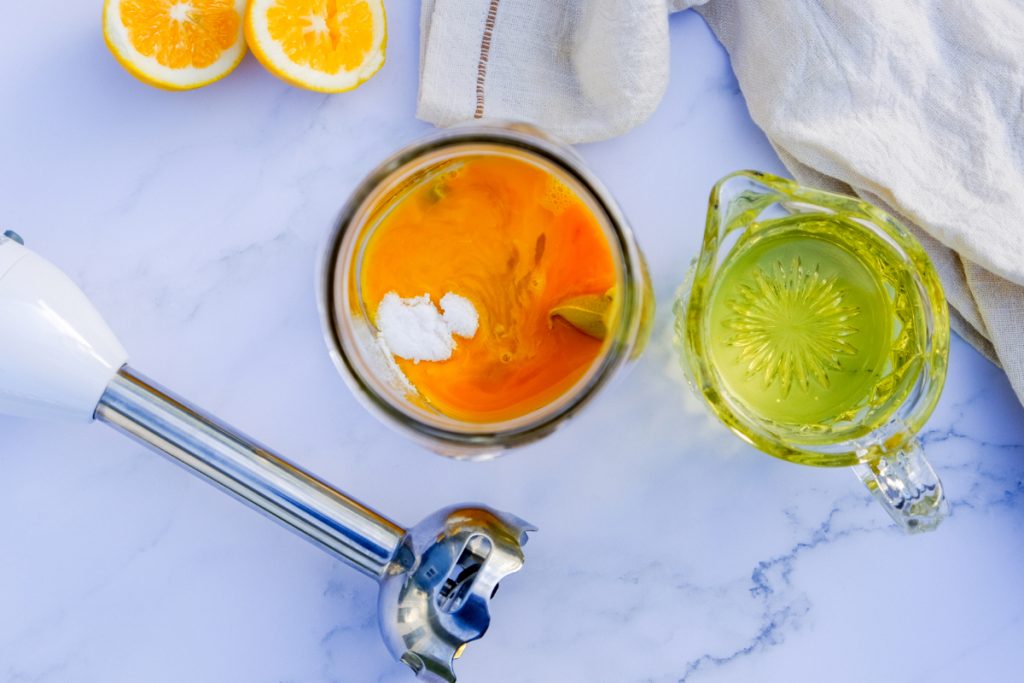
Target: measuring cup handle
<point>906,486</point>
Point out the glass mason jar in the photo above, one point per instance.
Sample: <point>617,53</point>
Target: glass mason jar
<point>792,317</point>
<point>348,325</point>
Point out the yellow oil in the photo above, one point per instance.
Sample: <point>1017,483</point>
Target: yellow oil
<point>815,327</point>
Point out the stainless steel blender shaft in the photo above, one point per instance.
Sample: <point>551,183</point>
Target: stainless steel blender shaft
<point>436,578</point>
<point>254,474</point>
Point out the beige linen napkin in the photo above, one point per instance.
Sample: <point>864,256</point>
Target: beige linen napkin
<point>917,106</point>
<point>584,70</point>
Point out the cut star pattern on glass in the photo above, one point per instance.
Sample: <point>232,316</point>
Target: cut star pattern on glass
<point>790,326</point>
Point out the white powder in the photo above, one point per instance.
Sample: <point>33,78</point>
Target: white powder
<point>460,314</point>
<point>414,329</point>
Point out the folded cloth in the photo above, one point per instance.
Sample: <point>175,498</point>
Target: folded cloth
<point>915,106</point>
<point>584,70</point>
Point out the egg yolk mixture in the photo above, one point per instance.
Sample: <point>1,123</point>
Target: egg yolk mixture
<point>516,242</point>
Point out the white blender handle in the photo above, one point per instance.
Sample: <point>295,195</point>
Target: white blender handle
<point>57,354</point>
<point>58,358</point>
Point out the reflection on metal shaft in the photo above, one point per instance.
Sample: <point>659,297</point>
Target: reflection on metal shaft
<point>344,527</point>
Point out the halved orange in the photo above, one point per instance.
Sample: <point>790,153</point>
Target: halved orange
<point>322,45</point>
<point>175,44</point>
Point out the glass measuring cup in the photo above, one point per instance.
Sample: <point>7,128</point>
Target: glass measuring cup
<point>349,326</point>
<point>815,327</point>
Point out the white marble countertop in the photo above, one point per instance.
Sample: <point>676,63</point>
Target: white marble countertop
<point>668,550</point>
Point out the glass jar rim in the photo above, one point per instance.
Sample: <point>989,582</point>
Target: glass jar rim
<point>456,437</point>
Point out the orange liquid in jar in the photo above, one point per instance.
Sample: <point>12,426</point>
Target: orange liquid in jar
<point>516,242</point>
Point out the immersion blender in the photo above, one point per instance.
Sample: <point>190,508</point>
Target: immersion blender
<point>436,579</point>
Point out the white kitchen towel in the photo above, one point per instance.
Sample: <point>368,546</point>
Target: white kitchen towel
<point>915,105</point>
<point>584,70</point>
